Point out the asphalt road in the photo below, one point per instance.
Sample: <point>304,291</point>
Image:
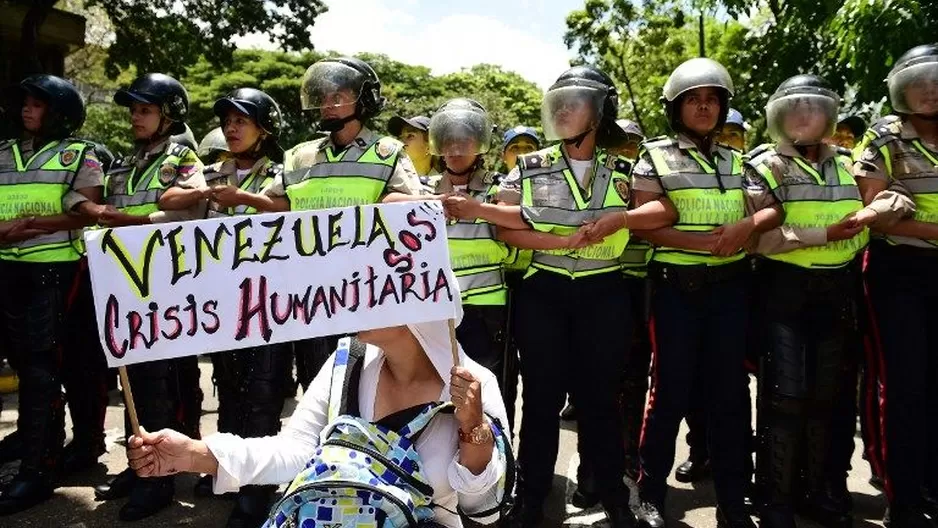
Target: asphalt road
<point>74,505</point>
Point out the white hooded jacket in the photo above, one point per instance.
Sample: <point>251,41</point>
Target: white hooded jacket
<point>278,459</point>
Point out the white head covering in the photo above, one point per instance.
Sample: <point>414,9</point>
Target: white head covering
<point>434,337</point>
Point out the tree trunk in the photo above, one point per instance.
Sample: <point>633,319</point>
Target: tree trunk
<point>628,86</point>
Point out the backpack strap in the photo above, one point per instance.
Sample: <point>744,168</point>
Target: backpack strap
<point>346,376</point>
<point>416,426</point>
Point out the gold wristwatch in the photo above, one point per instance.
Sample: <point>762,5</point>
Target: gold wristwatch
<point>479,435</point>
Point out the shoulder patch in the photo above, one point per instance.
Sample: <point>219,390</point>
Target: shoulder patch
<point>888,124</point>
<point>885,130</point>
<point>178,150</point>
<point>537,160</point>
<point>621,165</point>
<point>841,151</point>
<point>68,156</point>
<point>274,170</point>
<point>759,154</point>
<point>659,142</point>
<point>167,174</point>
<point>622,189</point>
<point>387,147</point>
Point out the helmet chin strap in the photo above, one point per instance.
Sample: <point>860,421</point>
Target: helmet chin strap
<point>577,140</point>
<point>334,125</point>
<point>157,136</point>
<point>255,152</point>
<point>472,168</point>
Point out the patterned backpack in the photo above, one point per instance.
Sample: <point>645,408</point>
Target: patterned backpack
<point>368,475</point>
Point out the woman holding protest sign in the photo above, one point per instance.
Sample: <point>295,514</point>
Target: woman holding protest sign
<point>392,377</point>
<point>161,182</point>
<point>250,381</point>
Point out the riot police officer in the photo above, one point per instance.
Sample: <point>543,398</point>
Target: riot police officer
<point>460,134</point>
<point>52,182</point>
<point>700,277</point>
<point>352,165</point>
<point>569,203</point>
<point>250,381</point>
<point>160,182</point>
<point>809,284</point>
<point>896,171</point>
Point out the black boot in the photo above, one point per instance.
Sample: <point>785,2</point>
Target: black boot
<point>824,508</point>
<point>568,413</point>
<point>693,470</point>
<point>527,512</point>
<point>904,517</point>
<point>27,489</point>
<point>777,516</point>
<point>80,455</point>
<point>251,507</point>
<point>734,517</point>
<point>149,496</point>
<point>117,487</point>
<point>586,494</point>
<point>203,487</point>
<point>618,512</point>
<point>649,515</point>
<point>11,447</point>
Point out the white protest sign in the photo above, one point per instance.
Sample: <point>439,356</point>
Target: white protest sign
<point>181,289</point>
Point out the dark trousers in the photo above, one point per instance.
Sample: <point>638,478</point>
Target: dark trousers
<point>513,356</point>
<point>700,333</point>
<point>85,374</point>
<point>635,376</point>
<point>483,336</point>
<point>904,295</point>
<point>164,394</point>
<point>810,333</point>
<point>34,307</point>
<point>250,389</point>
<point>311,355</point>
<point>574,337</point>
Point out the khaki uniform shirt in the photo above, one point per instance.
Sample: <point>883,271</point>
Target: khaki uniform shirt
<point>403,180</point>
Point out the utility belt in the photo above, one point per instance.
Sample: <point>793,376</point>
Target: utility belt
<point>697,277</point>
<point>881,247</point>
<point>814,279</point>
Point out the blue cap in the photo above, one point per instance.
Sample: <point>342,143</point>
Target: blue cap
<point>397,123</point>
<point>734,117</point>
<point>520,130</point>
<point>855,123</point>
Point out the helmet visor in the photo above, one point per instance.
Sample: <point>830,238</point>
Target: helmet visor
<point>569,111</point>
<point>913,87</point>
<point>330,85</point>
<point>802,118</point>
<point>460,132</point>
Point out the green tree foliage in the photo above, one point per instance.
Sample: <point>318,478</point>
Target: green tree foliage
<point>410,90</point>
<point>639,46</point>
<point>171,35</point>
<point>852,43</point>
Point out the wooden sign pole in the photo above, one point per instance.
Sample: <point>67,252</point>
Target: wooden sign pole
<point>452,341</point>
<point>129,400</point>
